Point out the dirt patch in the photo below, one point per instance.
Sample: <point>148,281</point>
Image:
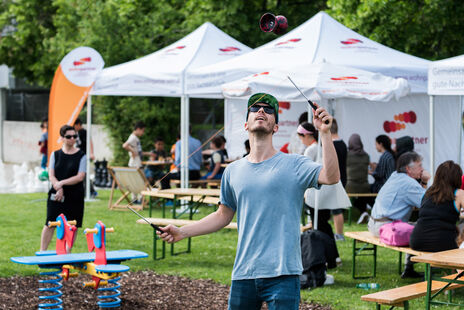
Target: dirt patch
<point>139,290</point>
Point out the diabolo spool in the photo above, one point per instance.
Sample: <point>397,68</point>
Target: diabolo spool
<point>277,24</point>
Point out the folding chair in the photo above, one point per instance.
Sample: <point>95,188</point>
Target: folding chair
<point>129,180</point>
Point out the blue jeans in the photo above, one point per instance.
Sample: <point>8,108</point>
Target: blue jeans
<point>280,293</point>
<point>218,176</point>
<point>43,163</point>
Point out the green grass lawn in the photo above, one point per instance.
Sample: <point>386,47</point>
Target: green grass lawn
<point>212,257</point>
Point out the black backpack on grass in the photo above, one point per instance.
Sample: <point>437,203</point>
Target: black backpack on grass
<point>317,253</point>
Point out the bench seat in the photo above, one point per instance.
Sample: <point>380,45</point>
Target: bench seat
<point>399,296</point>
<point>368,239</point>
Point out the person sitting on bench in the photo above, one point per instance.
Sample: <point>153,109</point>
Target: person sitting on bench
<point>402,192</point>
<point>217,158</point>
<point>435,230</point>
<point>154,173</point>
<point>194,161</point>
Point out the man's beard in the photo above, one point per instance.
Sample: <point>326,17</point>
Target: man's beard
<point>261,130</point>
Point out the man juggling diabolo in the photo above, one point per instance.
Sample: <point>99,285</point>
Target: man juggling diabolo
<point>265,189</point>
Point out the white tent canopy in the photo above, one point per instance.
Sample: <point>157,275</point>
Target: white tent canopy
<point>162,73</point>
<point>328,81</point>
<point>319,39</point>
<point>446,77</point>
<point>321,82</point>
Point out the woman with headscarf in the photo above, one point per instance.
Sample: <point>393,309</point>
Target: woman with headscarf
<point>357,164</point>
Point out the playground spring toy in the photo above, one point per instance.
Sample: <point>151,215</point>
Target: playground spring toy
<point>104,266</point>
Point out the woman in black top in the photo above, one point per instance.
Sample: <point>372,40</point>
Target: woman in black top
<point>435,229</point>
<point>67,172</point>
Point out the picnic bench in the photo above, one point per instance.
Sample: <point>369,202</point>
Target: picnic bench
<point>198,183</point>
<point>451,259</point>
<point>195,198</point>
<point>400,296</point>
<point>367,239</point>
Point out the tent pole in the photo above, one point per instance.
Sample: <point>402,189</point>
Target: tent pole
<point>184,137</point>
<point>432,134</point>
<point>89,128</point>
<point>460,131</point>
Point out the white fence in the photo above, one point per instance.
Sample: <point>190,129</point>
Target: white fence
<point>20,142</point>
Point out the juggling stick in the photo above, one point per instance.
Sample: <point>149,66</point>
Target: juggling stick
<point>309,101</point>
<point>148,222</point>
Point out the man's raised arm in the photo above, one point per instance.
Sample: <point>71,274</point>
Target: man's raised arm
<point>330,173</point>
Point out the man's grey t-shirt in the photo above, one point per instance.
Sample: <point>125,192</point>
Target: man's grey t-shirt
<point>268,197</point>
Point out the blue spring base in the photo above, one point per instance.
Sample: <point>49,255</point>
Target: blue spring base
<point>111,299</point>
<point>52,289</point>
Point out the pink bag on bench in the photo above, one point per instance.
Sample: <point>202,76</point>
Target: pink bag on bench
<point>396,233</point>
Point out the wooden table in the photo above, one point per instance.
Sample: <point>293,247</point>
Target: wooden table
<point>157,163</point>
<point>369,248</point>
<point>452,259</point>
<point>198,183</point>
<point>179,192</point>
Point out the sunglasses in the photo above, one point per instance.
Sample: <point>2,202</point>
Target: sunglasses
<point>267,109</point>
<point>71,136</point>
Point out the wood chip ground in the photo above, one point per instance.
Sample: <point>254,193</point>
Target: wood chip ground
<point>139,290</point>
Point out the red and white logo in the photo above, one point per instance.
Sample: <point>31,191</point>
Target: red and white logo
<point>344,78</point>
<point>230,49</point>
<point>262,73</point>
<point>288,41</point>
<point>400,121</point>
<point>82,61</point>
<point>177,48</point>
<point>351,41</point>
<point>284,105</point>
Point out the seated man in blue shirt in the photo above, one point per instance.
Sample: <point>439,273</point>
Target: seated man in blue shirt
<point>402,192</point>
<point>265,189</point>
<point>194,161</point>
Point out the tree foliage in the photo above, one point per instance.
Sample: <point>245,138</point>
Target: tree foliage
<point>123,30</point>
<point>429,29</point>
<point>37,34</point>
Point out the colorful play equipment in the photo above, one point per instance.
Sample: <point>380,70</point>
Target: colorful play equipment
<point>104,266</point>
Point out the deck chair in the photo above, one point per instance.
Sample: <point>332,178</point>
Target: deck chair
<point>129,181</point>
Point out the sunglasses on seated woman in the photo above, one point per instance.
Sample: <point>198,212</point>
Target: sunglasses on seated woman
<point>71,136</point>
<point>267,109</point>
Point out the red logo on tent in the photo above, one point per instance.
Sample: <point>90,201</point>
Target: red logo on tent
<point>262,73</point>
<point>289,41</point>
<point>351,41</point>
<point>400,121</point>
<point>230,49</point>
<point>344,78</point>
<point>284,105</point>
<point>175,48</point>
<point>82,61</point>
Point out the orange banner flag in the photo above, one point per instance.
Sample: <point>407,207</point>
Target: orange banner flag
<point>71,85</point>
